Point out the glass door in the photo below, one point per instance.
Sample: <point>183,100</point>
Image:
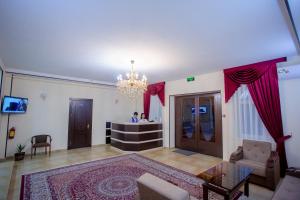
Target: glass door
<point>186,123</point>
<point>210,124</point>
<point>207,119</point>
<point>199,123</point>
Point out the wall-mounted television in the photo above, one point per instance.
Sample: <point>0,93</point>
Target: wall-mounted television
<point>14,104</point>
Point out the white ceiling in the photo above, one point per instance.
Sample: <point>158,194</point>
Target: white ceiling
<point>168,39</point>
<point>295,12</point>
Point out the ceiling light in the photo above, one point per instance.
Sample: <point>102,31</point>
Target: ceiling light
<point>132,86</point>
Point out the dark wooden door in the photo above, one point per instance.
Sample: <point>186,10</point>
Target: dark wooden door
<point>186,137</point>
<point>80,123</point>
<point>199,123</point>
<point>210,124</point>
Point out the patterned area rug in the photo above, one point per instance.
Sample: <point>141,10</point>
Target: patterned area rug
<point>112,178</point>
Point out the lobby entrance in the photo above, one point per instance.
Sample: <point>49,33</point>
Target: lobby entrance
<point>198,123</point>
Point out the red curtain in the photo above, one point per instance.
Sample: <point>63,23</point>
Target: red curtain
<point>154,89</point>
<point>262,82</point>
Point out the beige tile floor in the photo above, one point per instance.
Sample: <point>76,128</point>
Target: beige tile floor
<point>194,164</point>
<point>5,175</point>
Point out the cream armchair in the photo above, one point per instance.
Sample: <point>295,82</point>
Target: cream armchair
<point>259,156</point>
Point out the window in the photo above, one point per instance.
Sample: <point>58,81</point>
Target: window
<point>155,113</point>
<point>247,122</point>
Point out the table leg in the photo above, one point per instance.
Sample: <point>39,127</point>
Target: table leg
<point>226,197</point>
<point>246,188</point>
<point>205,192</point>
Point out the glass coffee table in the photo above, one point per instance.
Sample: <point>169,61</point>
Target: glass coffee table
<point>226,179</point>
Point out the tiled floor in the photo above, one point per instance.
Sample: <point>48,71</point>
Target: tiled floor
<point>5,175</point>
<point>194,164</point>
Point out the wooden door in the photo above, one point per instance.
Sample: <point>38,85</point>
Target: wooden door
<point>185,122</point>
<point>80,123</point>
<point>210,124</point>
<point>199,123</point>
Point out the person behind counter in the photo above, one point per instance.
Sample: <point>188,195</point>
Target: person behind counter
<point>143,118</point>
<point>134,118</point>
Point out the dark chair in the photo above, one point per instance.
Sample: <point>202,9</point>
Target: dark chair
<point>38,141</point>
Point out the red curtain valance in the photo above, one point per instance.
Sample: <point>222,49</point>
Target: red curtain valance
<point>154,89</point>
<point>262,81</point>
<point>246,74</point>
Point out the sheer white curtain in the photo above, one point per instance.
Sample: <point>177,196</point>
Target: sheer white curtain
<point>155,112</point>
<point>247,123</point>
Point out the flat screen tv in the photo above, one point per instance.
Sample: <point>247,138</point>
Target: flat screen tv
<point>14,104</point>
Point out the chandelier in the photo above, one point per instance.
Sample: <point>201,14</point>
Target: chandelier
<point>132,85</point>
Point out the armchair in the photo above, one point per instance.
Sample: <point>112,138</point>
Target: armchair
<point>38,141</point>
<point>259,156</point>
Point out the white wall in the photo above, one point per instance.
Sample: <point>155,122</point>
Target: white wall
<point>203,83</point>
<point>290,99</point>
<point>51,115</point>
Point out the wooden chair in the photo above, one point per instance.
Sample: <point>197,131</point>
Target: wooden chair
<point>38,141</point>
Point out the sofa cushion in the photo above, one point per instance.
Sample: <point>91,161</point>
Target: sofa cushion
<point>258,167</point>
<point>152,187</point>
<point>288,189</point>
<point>256,150</point>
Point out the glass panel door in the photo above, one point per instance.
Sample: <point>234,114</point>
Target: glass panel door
<point>188,118</point>
<point>207,119</point>
<point>210,124</point>
<point>186,123</point>
<point>198,120</point>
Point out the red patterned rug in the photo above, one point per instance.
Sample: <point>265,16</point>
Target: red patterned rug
<point>112,178</point>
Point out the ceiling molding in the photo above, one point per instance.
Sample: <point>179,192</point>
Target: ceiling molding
<point>58,77</point>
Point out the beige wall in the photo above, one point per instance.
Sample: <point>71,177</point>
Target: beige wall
<point>290,99</point>
<point>51,115</point>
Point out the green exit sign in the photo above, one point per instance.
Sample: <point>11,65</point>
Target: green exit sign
<point>190,78</point>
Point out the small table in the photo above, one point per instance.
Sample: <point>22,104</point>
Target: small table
<point>226,179</point>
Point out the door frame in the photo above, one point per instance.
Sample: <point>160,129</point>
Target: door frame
<point>220,110</point>
<point>69,128</point>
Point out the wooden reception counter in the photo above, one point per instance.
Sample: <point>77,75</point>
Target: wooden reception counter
<point>136,136</point>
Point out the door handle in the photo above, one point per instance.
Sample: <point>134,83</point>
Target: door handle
<point>88,126</point>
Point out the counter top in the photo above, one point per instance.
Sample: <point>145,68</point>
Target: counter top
<point>139,123</point>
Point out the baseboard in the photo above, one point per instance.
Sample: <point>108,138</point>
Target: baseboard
<point>27,154</point>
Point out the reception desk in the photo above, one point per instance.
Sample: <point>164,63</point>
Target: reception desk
<point>136,136</point>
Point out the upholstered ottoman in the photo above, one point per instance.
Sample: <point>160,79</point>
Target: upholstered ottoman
<point>151,187</point>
